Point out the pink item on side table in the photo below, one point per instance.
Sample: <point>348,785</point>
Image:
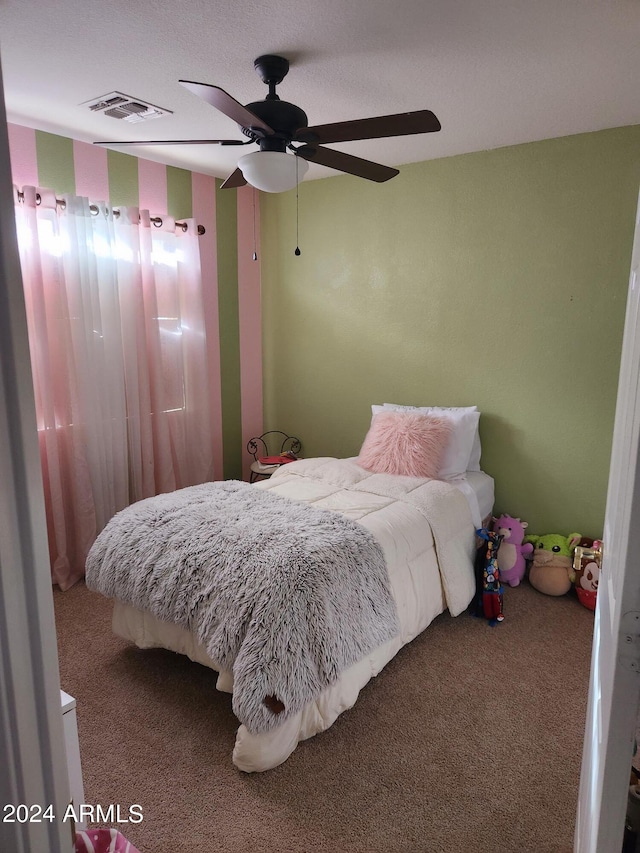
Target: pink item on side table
<point>103,841</point>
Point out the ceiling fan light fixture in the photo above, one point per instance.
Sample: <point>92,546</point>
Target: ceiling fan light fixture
<point>272,171</point>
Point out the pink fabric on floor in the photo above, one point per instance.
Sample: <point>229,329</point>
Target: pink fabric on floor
<point>103,841</point>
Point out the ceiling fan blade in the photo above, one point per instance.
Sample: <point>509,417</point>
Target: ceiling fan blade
<point>235,179</point>
<point>223,101</point>
<point>347,163</point>
<point>402,124</point>
<point>176,142</point>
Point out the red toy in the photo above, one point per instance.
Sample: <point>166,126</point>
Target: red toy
<point>586,566</point>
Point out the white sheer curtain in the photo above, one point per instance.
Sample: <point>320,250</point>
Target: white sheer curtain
<point>116,334</point>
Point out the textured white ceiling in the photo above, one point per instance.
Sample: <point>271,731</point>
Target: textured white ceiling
<point>495,72</point>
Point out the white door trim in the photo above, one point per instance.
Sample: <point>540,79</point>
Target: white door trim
<point>615,663</point>
<point>32,758</point>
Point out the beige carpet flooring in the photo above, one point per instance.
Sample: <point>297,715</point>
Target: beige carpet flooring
<point>469,740</point>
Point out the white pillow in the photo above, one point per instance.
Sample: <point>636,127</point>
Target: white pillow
<point>463,451</point>
<point>476,451</point>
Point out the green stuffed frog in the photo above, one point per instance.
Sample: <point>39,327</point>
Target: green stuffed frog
<point>552,567</point>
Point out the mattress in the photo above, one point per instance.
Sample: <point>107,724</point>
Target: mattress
<point>414,551</point>
<point>478,489</point>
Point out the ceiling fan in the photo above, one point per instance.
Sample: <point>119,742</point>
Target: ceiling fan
<point>277,126</point>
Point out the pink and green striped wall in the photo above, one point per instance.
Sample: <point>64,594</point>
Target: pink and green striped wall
<point>231,279</point>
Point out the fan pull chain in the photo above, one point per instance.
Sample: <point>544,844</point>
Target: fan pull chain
<point>255,254</point>
<point>297,251</point>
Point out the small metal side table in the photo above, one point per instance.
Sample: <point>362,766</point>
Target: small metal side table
<point>274,442</point>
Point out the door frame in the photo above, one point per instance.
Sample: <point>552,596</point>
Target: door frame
<point>614,687</point>
<point>32,753</point>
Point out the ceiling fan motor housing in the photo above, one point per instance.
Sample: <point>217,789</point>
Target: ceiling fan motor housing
<point>283,117</point>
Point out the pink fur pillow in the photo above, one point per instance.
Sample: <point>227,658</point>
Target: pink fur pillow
<point>405,443</point>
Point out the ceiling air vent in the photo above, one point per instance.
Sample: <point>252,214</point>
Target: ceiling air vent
<point>117,105</point>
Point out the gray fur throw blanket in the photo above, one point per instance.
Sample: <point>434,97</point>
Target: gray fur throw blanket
<point>286,595</point>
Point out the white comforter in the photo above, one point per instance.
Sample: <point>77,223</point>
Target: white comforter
<point>426,532</point>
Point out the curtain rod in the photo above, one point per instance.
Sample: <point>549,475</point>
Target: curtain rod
<point>157,220</point>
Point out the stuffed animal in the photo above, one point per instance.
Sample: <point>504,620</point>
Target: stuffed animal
<point>590,576</point>
<point>552,568</point>
<point>586,567</point>
<point>512,553</point>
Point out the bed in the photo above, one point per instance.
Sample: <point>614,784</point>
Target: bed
<point>350,562</point>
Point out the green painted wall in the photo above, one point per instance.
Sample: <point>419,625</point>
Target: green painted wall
<point>179,192</point>
<point>55,162</point>
<point>497,279</point>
